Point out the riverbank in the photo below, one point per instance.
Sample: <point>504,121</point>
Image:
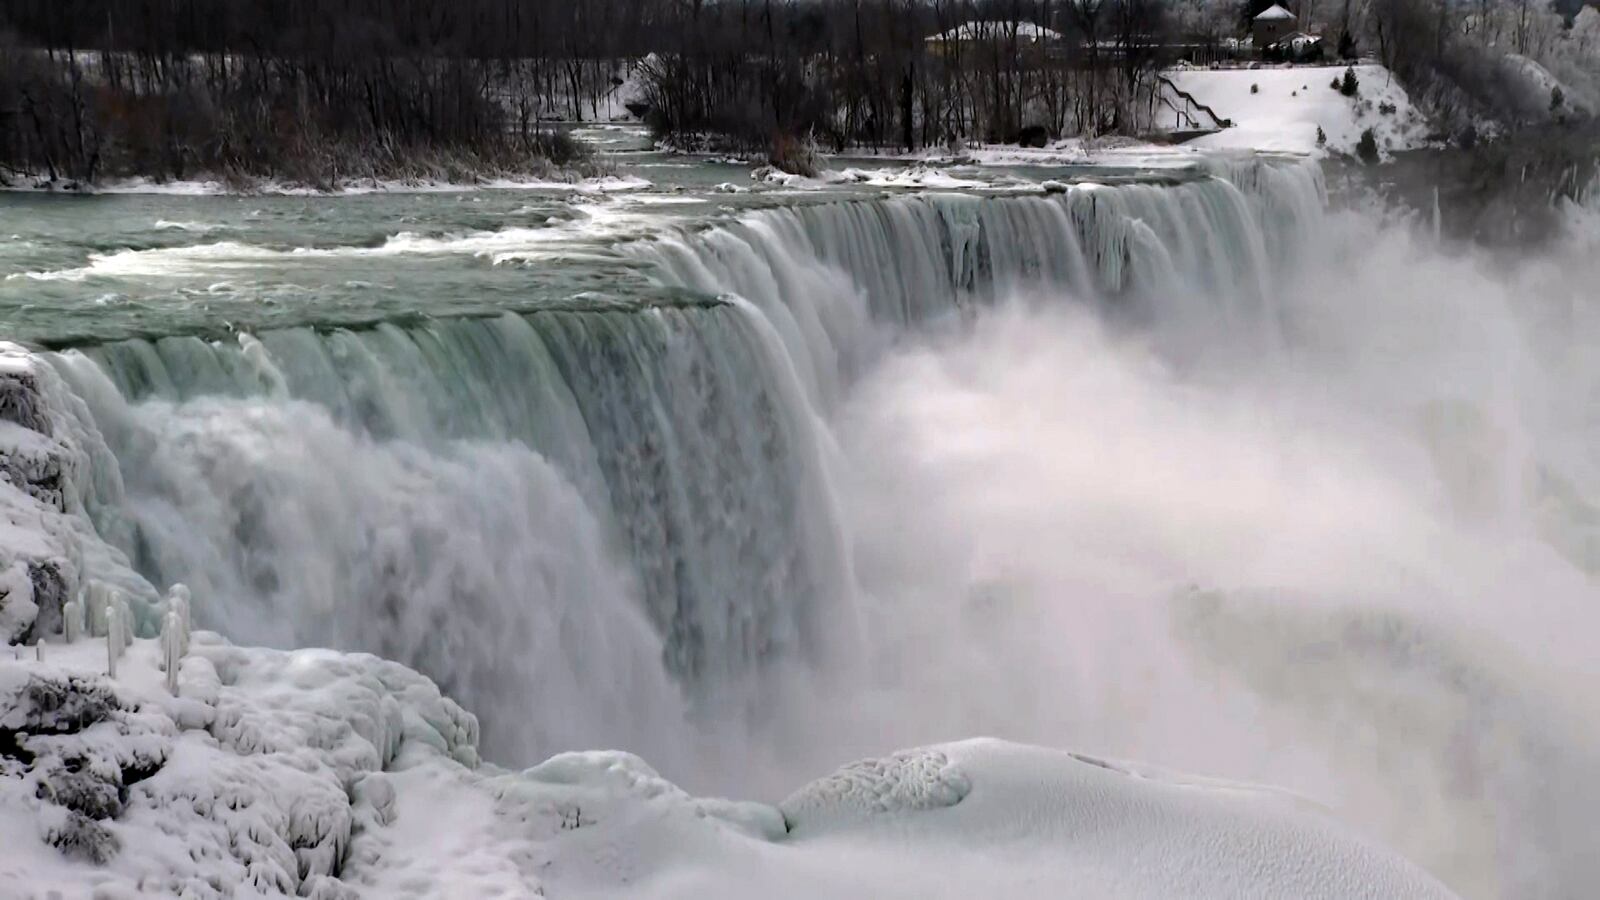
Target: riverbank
<point>209,187</point>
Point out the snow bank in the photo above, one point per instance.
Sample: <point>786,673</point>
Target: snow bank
<point>1110,151</point>
<point>988,818</point>
<point>1278,110</point>
<point>921,176</point>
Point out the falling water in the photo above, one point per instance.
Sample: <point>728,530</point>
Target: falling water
<point>1103,465</point>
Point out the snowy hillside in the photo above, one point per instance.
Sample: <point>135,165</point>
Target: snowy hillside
<point>1280,109</point>
<point>319,774</point>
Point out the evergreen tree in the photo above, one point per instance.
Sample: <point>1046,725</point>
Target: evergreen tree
<point>1350,86</point>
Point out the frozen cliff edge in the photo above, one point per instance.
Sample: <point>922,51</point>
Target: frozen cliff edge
<point>320,774</point>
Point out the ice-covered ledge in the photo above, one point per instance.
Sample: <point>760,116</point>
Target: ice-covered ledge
<point>264,769</point>
<point>323,774</point>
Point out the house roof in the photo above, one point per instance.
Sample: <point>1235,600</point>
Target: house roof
<point>1274,13</point>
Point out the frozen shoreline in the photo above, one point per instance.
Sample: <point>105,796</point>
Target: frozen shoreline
<point>607,184</point>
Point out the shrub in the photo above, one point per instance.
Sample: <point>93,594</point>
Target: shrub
<point>1367,147</point>
<point>1255,88</point>
<point>1350,86</point>
<point>1322,136</point>
<point>1387,109</point>
<point>1557,99</point>
<point>793,155</point>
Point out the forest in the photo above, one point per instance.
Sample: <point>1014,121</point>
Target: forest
<point>318,91</point>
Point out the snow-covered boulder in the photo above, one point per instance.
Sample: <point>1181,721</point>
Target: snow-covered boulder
<point>254,775</point>
<point>905,782</point>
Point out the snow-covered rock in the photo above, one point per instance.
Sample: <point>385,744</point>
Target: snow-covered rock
<point>905,782</point>
<point>47,542</point>
<point>254,774</point>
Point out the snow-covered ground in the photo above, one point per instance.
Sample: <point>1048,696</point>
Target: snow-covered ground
<point>320,774</point>
<point>1278,110</point>
<point>1116,152</point>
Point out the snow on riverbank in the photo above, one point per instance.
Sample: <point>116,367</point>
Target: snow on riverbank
<point>608,184</point>
<point>1278,110</point>
<point>1112,152</point>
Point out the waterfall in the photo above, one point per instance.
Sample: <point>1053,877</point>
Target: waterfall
<point>837,278</point>
<point>589,525</point>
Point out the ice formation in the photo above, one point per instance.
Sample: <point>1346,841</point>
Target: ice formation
<point>320,774</point>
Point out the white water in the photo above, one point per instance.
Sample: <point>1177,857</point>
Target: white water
<point>1348,546</point>
<point>1194,473</point>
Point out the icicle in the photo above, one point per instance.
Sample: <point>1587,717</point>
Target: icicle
<point>72,620</point>
<point>125,617</point>
<point>174,639</point>
<point>97,597</point>
<point>38,649</point>
<point>114,634</point>
<point>179,601</point>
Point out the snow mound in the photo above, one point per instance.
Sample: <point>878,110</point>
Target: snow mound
<point>913,781</point>
<point>1278,110</point>
<point>989,818</point>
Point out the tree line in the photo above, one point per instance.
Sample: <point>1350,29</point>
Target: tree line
<point>313,90</point>
<point>319,89</point>
<point>908,73</point>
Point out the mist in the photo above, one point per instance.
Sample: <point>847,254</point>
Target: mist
<point>1345,544</point>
